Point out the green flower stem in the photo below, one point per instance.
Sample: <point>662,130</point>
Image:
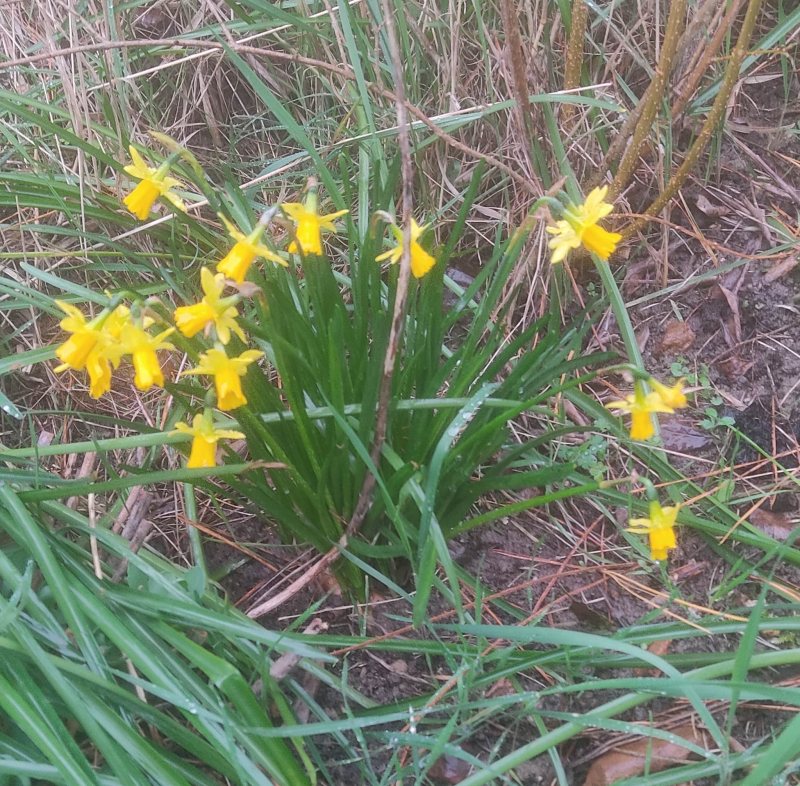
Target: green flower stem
<point>314,413</point>
<point>195,536</point>
<point>620,312</point>
<point>625,326</point>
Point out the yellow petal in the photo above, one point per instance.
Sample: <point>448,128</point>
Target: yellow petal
<point>192,319</point>
<point>139,165</point>
<point>600,242</point>
<point>641,425</point>
<point>237,262</point>
<point>421,260</point>
<point>141,199</point>
<point>203,453</point>
<point>229,390</point>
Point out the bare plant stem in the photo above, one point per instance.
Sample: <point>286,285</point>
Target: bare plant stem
<point>574,58</point>
<point>714,116</point>
<point>519,78</point>
<point>395,332</point>
<point>401,295</point>
<point>652,99</point>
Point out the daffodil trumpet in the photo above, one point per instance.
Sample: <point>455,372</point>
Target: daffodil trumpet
<point>238,260</point>
<point>153,183</point>
<point>205,436</point>
<point>308,223</point>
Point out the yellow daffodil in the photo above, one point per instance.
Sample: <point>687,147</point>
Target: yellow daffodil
<point>137,342</point>
<point>579,227</point>
<point>641,407</point>
<point>74,352</point>
<point>97,364</point>
<point>238,260</point>
<point>154,183</point>
<point>660,528</point>
<point>421,260</point>
<point>226,372</point>
<point>205,437</point>
<point>309,224</point>
<point>211,310</point>
<point>673,397</point>
<point>89,341</point>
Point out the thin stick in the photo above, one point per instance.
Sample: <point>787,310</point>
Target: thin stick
<point>395,331</point>
<point>574,59</point>
<point>98,568</point>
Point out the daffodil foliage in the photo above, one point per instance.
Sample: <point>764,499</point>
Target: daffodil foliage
<point>278,337</point>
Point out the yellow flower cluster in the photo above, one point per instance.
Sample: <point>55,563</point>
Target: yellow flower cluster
<point>579,227</point>
<point>641,406</point>
<point>100,344</point>
<point>104,341</point>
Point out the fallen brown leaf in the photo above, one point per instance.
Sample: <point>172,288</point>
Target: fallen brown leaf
<point>734,367</point>
<point>776,525</point>
<point>659,648</point>
<point>679,434</point>
<point>502,687</point>
<point>646,754</point>
<point>678,337</point>
<point>733,304</point>
<point>449,769</point>
<point>687,571</point>
<point>710,209</point>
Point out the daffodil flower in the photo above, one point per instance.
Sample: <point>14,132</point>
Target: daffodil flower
<point>205,437</point>
<point>74,352</point>
<point>673,397</point>
<point>89,341</point>
<point>238,260</point>
<point>211,310</point>
<point>660,528</point>
<point>154,183</point>
<point>421,260</point>
<point>309,224</point>
<point>579,227</point>
<point>226,372</point>
<point>97,364</point>
<point>641,407</point>
<point>136,341</point>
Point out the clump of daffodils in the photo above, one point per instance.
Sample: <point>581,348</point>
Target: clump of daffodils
<point>99,344</point>
<point>580,227</point>
<point>642,406</point>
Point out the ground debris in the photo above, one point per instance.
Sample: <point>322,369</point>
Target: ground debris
<point>643,755</point>
<point>678,337</point>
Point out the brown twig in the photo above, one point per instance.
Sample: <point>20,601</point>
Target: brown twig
<point>519,79</point>
<point>395,331</point>
<point>275,54</point>
<point>709,52</point>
